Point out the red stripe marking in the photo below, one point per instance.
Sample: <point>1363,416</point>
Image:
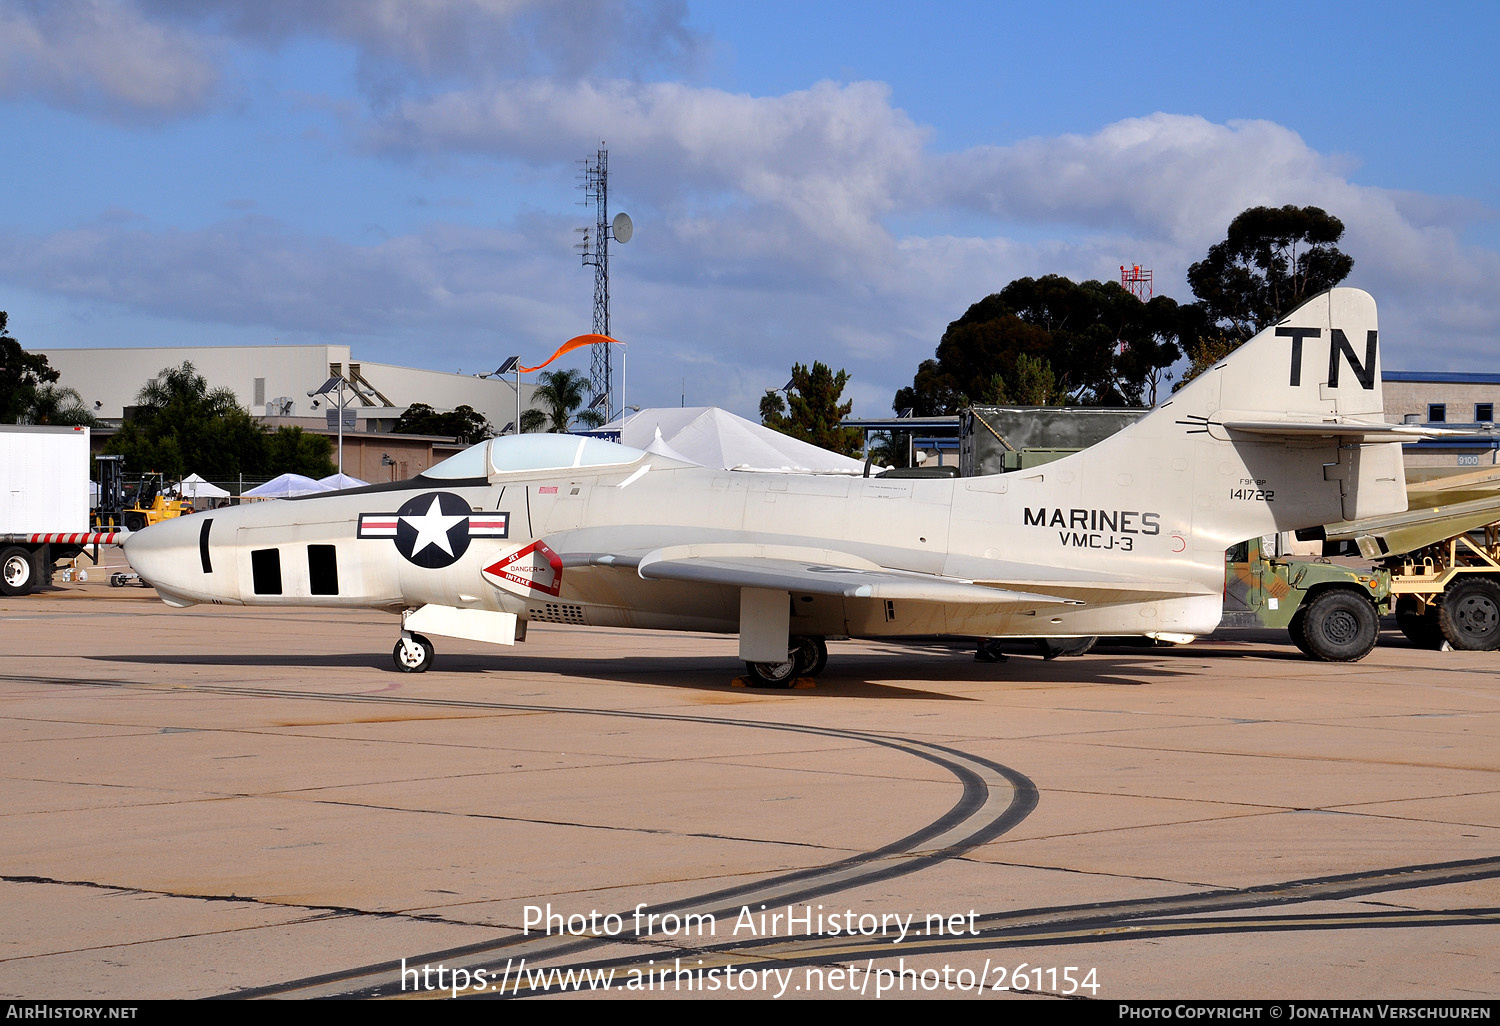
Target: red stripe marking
<point>74,538</point>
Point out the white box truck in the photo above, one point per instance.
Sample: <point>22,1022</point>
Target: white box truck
<point>44,503</point>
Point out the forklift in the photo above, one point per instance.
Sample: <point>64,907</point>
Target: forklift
<point>134,510</point>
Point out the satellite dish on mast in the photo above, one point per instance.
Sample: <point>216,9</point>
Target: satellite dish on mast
<point>622,227</point>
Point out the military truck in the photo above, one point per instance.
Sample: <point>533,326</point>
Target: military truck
<point>1331,612</point>
<point>1438,572</point>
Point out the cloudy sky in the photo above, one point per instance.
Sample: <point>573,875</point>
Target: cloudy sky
<point>829,181</point>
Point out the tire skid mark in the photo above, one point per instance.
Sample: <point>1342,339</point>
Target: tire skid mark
<point>1103,922</point>
<point>994,799</point>
<point>978,816</point>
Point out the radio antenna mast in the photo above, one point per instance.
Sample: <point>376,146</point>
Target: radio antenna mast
<point>594,249</point>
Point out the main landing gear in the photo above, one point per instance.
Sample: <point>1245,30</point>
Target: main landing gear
<point>413,653</point>
<point>806,658</point>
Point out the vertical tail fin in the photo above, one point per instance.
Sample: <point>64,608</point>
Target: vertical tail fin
<point>1286,432</point>
<point>1313,381</point>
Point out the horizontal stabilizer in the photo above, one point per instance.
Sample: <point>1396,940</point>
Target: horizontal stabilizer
<point>1337,429</point>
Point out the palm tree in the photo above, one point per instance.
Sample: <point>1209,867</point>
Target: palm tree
<point>59,405</point>
<point>188,390</point>
<point>560,393</point>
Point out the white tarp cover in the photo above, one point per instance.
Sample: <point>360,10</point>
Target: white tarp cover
<point>712,437</point>
<point>337,481</point>
<point>285,487</point>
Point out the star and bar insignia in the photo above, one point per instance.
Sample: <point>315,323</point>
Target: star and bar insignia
<point>433,529</point>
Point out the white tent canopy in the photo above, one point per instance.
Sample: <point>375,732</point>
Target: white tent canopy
<point>711,437</point>
<point>285,487</point>
<point>194,487</point>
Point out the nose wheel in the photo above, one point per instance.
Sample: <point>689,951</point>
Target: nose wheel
<point>413,653</point>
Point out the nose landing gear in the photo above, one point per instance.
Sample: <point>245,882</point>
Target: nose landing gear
<point>413,653</point>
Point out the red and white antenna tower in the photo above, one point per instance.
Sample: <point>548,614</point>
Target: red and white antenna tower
<point>1136,281</point>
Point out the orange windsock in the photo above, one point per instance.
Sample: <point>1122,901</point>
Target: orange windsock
<point>570,345</point>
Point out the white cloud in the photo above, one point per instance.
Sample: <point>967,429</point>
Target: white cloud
<point>1166,176</point>
<point>801,187</point>
<point>471,40</point>
<point>102,57</point>
<point>143,60</point>
<point>767,225</point>
<point>254,271</point>
<point>831,158</point>
<point>1166,187</point>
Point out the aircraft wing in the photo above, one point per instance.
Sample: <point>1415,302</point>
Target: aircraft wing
<point>831,572</point>
<point>849,582</point>
<point>1106,590</point>
<point>813,571</point>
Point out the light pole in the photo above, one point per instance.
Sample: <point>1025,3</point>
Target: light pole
<point>335,384</point>
<point>512,363</point>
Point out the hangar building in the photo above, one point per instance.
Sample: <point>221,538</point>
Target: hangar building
<point>272,382</point>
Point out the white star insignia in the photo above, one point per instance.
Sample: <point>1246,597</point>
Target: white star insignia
<point>433,527</point>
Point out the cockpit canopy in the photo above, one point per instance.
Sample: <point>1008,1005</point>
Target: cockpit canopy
<point>514,453</point>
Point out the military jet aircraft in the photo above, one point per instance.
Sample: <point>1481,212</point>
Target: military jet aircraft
<point>1124,538</point>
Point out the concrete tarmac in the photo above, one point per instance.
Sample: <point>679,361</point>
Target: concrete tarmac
<point>228,801</point>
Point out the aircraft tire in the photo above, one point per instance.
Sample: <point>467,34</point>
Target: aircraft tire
<point>1341,626</point>
<point>1421,629</point>
<point>405,661</point>
<point>1470,615</point>
<point>810,655</point>
<point>17,571</point>
<point>771,675</point>
<point>1051,648</point>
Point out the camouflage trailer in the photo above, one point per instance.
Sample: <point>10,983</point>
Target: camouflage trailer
<point>997,439</point>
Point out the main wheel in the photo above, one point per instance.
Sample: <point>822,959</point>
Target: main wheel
<point>1051,648</point>
<point>414,655</point>
<point>17,571</point>
<point>1469,615</point>
<point>771,675</point>
<point>1341,626</point>
<point>1421,628</point>
<point>810,655</point>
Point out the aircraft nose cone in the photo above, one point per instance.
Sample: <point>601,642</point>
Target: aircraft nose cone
<point>166,557</point>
